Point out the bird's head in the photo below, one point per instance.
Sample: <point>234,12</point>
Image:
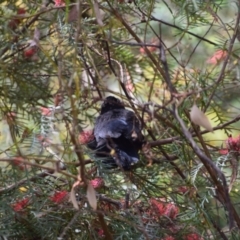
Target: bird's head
<point>111,103</point>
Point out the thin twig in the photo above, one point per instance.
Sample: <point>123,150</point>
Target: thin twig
<point>109,200</point>
<point>78,151</point>
<point>131,31</point>
<point>104,226</point>
<point>216,175</point>
<point>225,63</point>
<point>68,227</point>
<point>176,138</point>
<point>23,181</point>
<point>182,30</point>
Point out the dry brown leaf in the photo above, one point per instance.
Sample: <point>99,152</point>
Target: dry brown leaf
<point>97,13</point>
<point>234,163</point>
<point>91,196</point>
<point>36,35</point>
<point>73,195</point>
<point>73,14</point>
<point>199,118</point>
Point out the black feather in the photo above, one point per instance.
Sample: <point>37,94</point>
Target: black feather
<point>117,135</point>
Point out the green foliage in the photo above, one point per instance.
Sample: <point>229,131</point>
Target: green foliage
<point>58,61</point>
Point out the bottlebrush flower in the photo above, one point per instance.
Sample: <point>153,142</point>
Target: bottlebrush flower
<point>171,210</point>
<point>46,111</point>
<point>193,236</point>
<point>129,86</point>
<point>11,116</point>
<point>86,136</point>
<point>44,140</point>
<point>20,205</point>
<point>30,52</point>
<point>218,56</point>
<point>150,48</point>
<point>232,144</point>
<point>159,207</point>
<point>182,189</point>
<point>168,238</point>
<point>21,11</point>
<point>33,46</point>
<point>59,197</point>
<point>18,161</point>
<point>101,233</point>
<point>15,21</point>
<point>97,183</point>
<point>59,3</point>
<point>153,41</point>
<point>164,209</point>
<point>58,99</point>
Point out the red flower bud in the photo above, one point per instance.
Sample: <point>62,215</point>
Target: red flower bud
<point>20,205</point>
<point>193,236</point>
<point>29,52</point>
<point>97,183</point>
<point>59,3</point>
<point>168,238</point>
<point>86,136</point>
<point>15,21</point>
<point>217,57</point>
<point>59,197</point>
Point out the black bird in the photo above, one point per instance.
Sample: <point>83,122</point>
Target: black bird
<point>117,135</point>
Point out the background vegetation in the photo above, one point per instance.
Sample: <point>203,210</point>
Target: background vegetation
<point>174,63</point>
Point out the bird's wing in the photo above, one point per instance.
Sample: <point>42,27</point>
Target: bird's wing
<point>116,123</point>
<point>134,130</point>
<point>112,128</point>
